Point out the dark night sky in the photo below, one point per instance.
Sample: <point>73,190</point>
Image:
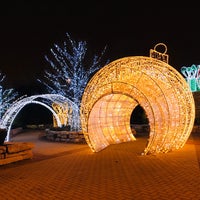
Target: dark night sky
<point>29,30</point>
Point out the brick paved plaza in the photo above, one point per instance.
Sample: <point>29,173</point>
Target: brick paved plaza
<point>72,171</point>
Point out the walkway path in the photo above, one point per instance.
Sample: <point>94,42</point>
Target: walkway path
<point>71,171</point>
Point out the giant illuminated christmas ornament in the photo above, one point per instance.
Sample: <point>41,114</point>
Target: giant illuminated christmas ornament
<point>51,102</point>
<point>117,88</point>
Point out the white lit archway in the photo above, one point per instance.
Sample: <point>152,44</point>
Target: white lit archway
<point>45,100</point>
<point>116,89</point>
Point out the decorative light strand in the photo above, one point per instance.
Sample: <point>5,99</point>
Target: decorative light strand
<point>116,89</point>
<point>46,100</point>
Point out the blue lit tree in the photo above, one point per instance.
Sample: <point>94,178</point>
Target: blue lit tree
<point>7,96</point>
<point>71,67</point>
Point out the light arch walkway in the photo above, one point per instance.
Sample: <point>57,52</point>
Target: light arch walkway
<point>47,101</point>
<point>116,89</point>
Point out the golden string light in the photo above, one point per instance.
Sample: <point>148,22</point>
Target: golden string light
<point>62,111</point>
<point>116,89</point>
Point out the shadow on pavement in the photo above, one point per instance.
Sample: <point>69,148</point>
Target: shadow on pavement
<point>195,140</point>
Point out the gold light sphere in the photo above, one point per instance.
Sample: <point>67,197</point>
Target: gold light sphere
<point>116,89</point>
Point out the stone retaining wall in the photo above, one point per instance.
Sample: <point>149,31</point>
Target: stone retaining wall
<point>15,151</point>
<point>65,136</point>
<point>196,129</point>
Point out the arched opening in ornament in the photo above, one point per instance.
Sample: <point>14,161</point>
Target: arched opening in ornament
<point>139,122</point>
<point>109,120</point>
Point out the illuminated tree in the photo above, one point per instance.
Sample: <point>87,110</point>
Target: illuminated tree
<point>71,67</point>
<point>7,96</point>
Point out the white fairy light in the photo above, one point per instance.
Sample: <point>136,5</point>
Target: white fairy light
<point>7,96</point>
<point>46,100</point>
<point>71,67</point>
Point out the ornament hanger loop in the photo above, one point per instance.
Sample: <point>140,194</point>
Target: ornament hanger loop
<point>161,44</point>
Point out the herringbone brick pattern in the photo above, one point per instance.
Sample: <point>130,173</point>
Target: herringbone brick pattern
<point>71,171</point>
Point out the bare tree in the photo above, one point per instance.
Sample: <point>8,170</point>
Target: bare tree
<point>71,67</point>
<point>7,96</point>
